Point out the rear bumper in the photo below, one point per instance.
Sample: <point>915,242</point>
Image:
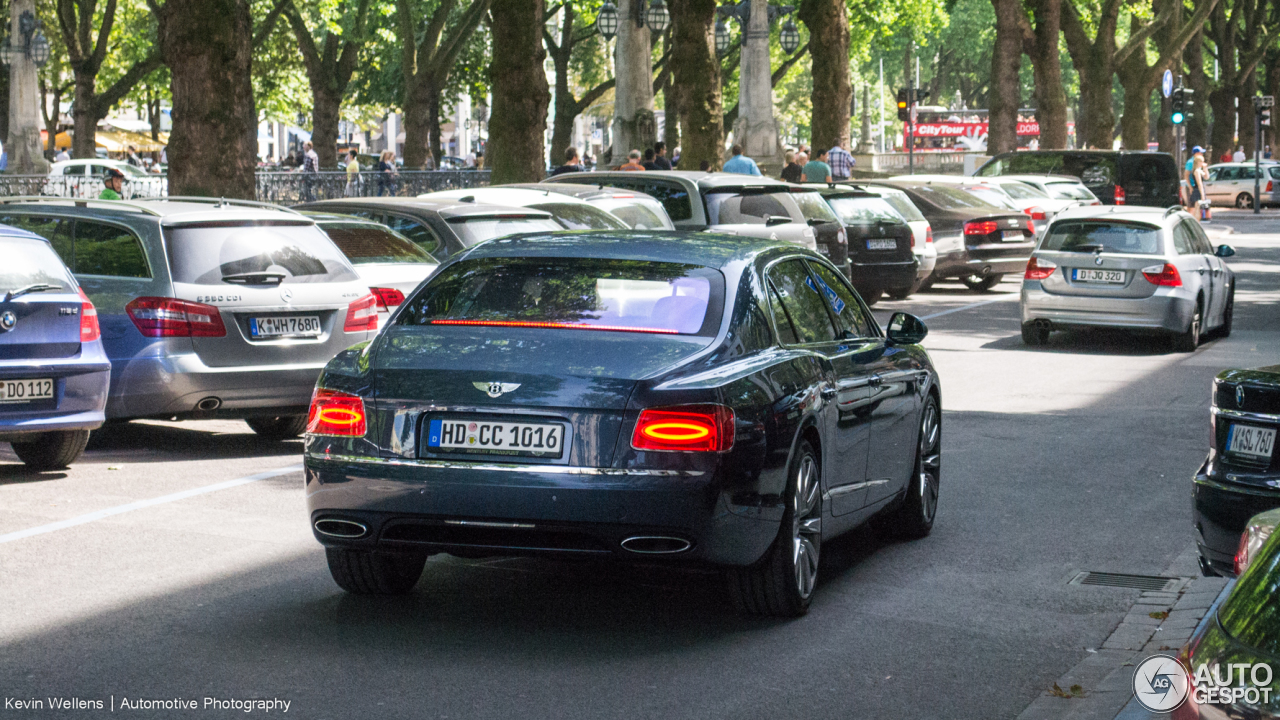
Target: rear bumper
<point>171,385</point>
<point>990,259</point>
<point>884,274</point>
<point>80,394</point>
<point>1165,310</point>
<point>1221,509</point>
<point>501,509</point>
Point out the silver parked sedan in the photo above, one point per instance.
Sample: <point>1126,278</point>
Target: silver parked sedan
<point>1128,267</point>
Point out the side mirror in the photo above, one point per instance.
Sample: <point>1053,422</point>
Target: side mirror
<point>905,329</point>
<point>1224,251</point>
<point>771,220</point>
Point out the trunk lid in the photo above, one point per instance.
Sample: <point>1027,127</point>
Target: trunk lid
<point>1101,258</point>
<point>42,325</point>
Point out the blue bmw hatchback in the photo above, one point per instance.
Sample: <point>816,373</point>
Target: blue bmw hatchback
<point>53,370</point>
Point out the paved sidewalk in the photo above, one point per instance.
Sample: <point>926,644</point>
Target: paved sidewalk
<point>1101,686</point>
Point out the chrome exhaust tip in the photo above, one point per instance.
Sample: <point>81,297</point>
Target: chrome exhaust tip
<point>345,529</point>
<point>209,403</point>
<point>656,545</point>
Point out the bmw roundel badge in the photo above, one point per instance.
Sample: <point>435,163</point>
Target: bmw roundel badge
<point>1240,396</point>
<point>8,320</point>
<point>1097,261</point>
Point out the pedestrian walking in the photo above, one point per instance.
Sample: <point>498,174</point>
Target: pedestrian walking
<point>817,170</point>
<point>62,156</point>
<point>741,164</point>
<point>133,158</point>
<point>1238,155</point>
<point>660,156</point>
<point>310,169</point>
<point>1199,198</point>
<point>841,163</point>
<point>388,173</point>
<point>1188,179</point>
<point>633,162</point>
<point>648,163</point>
<point>791,170</point>
<point>572,163</point>
<point>112,185</point>
<point>353,175</point>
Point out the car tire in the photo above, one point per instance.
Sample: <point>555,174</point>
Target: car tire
<point>278,428</point>
<point>913,518</point>
<point>1034,335</point>
<point>52,450</point>
<point>979,283</point>
<point>1228,313</point>
<point>901,293</point>
<point>362,572</point>
<point>1189,339</point>
<point>1244,200</point>
<point>871,296</point>
<point>781,583</point>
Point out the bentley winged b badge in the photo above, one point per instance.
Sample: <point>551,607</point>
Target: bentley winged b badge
<point>495,389</point>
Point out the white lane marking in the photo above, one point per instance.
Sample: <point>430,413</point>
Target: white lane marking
<point>966,307</point>
<point>140,504</point>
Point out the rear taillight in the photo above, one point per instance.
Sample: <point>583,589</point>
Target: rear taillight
<point>1035,213</point>
<point>689,428</point>
<point>1039,268</point>
<point>336,413</point>
<point>981,227</point>
<point>171,317</point>
<point>89,330</point>
<point>1255,535</point>
<point>1119,195</point>
<point>387,298</point>
<point>1031,228</point>
<point>1268,187</point>
<point>362,315</point>
<point>928,235</point>
<point>1165,275</point>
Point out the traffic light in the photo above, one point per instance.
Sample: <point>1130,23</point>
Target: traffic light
<point>1182,105</point>
<point>920,97</point>
<point>1264,116</point>
<point>904,105</point>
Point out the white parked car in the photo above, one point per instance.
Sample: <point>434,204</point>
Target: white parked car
<point>82,178</point>
<point>1062,187</point>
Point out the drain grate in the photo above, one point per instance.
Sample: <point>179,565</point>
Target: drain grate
<point>1155,583</point>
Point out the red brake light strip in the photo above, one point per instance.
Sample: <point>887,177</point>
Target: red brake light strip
<point>556,325</point>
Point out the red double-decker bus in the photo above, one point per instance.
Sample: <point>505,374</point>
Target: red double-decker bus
<point>942,130</point>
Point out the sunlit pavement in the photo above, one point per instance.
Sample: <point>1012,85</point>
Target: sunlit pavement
<point>1071,457</point>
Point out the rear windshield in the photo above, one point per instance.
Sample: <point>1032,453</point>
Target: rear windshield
<point>27,262</point>
<point>949,198</point>
<point>1070,191</point>
<point>993,196</point>
<point>640,214</point>
<point>1022,192</point>
<point>1096,236</point>
<point>900,202</point>
<point>1250,613</point>
<point>559,294</point>
<point>865,211</point>
<point>370,244</point>
<point>1274,172</point>
<point>814,207</point>
<point>473,230</point>
<point>217,253</point>
<point>581,217</point>
<point>733,208</point>
<point>1093,169</point>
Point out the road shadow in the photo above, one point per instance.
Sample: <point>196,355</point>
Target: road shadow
<point>136,442</point>
<point>1099,341</point>
<point>19,474</point>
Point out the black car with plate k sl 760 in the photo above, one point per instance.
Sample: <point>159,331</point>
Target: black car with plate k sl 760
<point>677,397</point>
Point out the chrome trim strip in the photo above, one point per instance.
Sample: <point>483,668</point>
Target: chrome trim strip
<point>1241,488</point>
<point>1239,415</point>
<point>852,487</point>
<point>482,523</point>
<point>504,467</point>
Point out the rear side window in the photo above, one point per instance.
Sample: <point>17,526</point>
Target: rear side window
<point>27,262</point>
<point>814,207</point>
<point>417,232</point>
<point>900,202</point>
<point>473,230</point>
<point>949,198</point>
<point>1183,242</point>
<point>729,208</point>
<point>55,230</point>
<point>803,303</point>
<point>1091,169</point>
<point>1022,192</point>
<point>1274,172</point>
<point>640,216</point>
<point>238,254</point>
<point>1068,191</point>
<point>674,198</point>
<point>993,196</point>
<point>1100,236</point>
<point>102,249</point>
<point>581,217</point>
<point>368,244</point>
<point>866,211</point>
<point>573,293</point>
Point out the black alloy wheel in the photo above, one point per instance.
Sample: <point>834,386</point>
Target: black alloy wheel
<point>1188,340</point>
<point>374,573</point>
<point>913,519</point>
<point>1244,200</point>
<point>781,584</point>
<point>979,283</point>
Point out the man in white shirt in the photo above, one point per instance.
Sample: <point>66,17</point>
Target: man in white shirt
<point>62,156</point>
<point>1238,156</point>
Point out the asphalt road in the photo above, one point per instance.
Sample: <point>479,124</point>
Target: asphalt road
<point>154,578</point>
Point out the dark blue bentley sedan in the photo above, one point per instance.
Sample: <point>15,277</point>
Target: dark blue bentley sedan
<point>660,396</point>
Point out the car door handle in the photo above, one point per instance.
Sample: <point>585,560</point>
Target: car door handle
<point>828,392</point>
<point>1217,271</point>
<point>1201,271</point>
<point>875,380</point>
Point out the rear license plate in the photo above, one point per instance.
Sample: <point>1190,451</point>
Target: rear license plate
<point>1105,277</point>
<point>1252,441</point>
<point>1012,236</point>
<point>497,438</point>
<point>12,391</point>
<point>882,244</point>
<point>289,325</point>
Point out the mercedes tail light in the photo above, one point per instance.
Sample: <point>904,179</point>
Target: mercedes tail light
<point>1119,195</point>
<point>336,413</point>
<point>1165,275</point>
<point>981,227</point>
<point>1255,535</point>
<point>89,330</point>
<point>689,428</point>
<point>1039,268</point>
<point>362,315</point>
<point>171,317</point>
<point>387,298</point>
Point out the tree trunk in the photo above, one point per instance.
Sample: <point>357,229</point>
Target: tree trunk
<point>696,78</point>
<point>832,92</point>
<point>634,126</point>
<point>433,124</point>
<point>1164,127</point>
<point>1223,101</point>
<point>207,45</point>
<point>1272,135</point>
<point>1135,123</point>
<point>1095,91</point>
<point>1245,111</point>
<point>1051,95</point>
<point>1197,125</point>
<point>518,122</point>
<point>84,143</point>
<point>417,128</point>
<point>325,113</point>
<point>1006,95</point>
<point>566,110</point>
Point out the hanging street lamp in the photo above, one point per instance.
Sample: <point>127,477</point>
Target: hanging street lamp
<point>657,17</point>
<point>790,37</point>
<point>607,21</point>
<point>722,37</point>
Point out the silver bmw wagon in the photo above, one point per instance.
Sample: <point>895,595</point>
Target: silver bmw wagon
<point>1128,267</point>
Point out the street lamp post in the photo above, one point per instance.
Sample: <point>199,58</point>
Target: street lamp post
<point>23,51</point>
